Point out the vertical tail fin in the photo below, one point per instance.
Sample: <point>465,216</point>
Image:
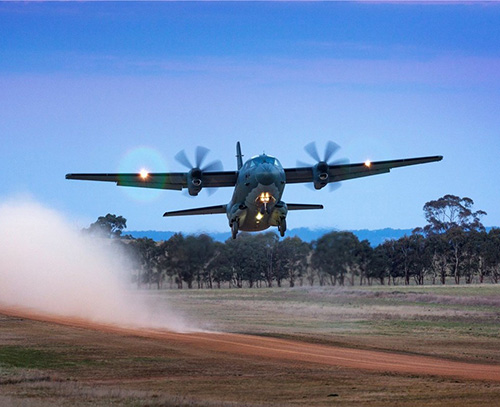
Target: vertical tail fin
<point>239,156</point>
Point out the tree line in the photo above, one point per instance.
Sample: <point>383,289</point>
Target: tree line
<point>453,246</point>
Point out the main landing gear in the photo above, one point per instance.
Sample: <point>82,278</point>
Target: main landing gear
<point>282,227</point>
<point>234,228</point>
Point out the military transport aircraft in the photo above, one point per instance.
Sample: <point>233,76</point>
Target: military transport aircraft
<point>258,184</point>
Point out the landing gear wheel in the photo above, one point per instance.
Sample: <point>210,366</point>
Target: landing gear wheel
<point>282,227</point>
<point>234,229</point>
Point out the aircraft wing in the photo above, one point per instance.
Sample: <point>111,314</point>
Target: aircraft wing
<point>208,210</point>
<point>344,172</point>
<point>161,180</point>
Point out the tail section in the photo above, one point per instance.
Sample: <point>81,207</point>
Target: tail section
<point>239,156</point>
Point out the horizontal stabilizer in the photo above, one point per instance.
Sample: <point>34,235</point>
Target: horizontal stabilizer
<point>298,207</point>
<point>208,210</point>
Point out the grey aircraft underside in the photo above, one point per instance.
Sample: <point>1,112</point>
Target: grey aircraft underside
<point>258,183</point>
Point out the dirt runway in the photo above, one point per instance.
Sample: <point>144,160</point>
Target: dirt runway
<point>289,350</point>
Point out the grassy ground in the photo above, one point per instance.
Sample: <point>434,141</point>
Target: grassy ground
<point>454,321</point>
<point>46,364</point>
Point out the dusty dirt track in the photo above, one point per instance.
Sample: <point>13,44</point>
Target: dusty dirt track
<point>288,350</point>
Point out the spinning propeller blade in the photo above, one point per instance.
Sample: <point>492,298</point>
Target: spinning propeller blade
<point>201,154</point>
<point>331,149</point>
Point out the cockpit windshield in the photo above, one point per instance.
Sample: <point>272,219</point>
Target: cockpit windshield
<point>263,159</point>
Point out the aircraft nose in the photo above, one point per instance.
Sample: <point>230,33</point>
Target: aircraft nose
<point>266,174</point>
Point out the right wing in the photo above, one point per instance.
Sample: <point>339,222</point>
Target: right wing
<point>161,180</point>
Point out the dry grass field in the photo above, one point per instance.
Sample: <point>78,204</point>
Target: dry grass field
<point>320,346</point>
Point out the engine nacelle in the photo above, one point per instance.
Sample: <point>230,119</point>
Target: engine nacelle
<point>320,175</point>
<point>194,181</point>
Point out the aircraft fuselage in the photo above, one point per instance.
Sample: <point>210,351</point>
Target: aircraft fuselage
<point>256,202</point>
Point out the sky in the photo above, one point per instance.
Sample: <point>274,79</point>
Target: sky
<point>109,87</point>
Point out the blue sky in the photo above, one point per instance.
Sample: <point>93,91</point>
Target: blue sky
<point>107,87</point>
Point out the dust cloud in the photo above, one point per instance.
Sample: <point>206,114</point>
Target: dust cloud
<point>48,266</point>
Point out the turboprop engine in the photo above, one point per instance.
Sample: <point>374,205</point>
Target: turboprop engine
<point>320,174</point>
<point>320,170</point>
<point>194,181</point>
<point>195,174</point>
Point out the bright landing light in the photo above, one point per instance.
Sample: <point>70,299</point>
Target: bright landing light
<point>368,163</point>
<point>144,174</point>
<point>265,197</point>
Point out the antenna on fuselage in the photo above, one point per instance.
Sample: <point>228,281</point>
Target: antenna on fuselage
<point>239,156</point>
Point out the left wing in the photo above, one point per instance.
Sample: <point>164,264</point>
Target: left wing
<point>349,171</point>
<point>161,180</point>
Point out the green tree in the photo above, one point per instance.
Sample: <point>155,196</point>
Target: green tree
<point>420,258</point>
<point>452,218</point>
<point>199,250</point>
<point>335,255</point>
<point>251,258</point>
<point>473,264</point>
<point>410,253</point>
<point>437,246</point>
<point>107,226</point>
<point>291,256</point>
<point>363,261</point>
<point>396,268</point>
<point>146,252</point>
<point>492,254</point>
<point>379,266</point>
<point>239,254</point>
<point>450,212</point>
<point>265,245</point>
<point>220,265</point>
<point>177,260</point>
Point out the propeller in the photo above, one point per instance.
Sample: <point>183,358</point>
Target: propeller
<point>196,170</point>
<point>200,156</point>
<point>330,149</point>
<point>321,165</point>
